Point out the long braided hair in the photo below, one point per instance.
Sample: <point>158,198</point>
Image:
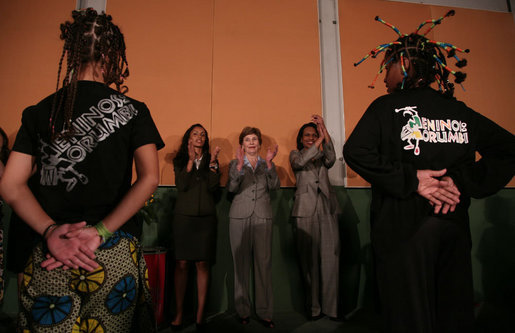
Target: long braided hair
<point>426,57</point>
<point>90,38</point>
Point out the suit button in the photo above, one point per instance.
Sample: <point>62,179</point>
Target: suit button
<point>316,182</point>
<point>198,178</point>
<point>253,199</point>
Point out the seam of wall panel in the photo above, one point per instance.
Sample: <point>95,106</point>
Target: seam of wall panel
<point>213,2</point>
<point>331,83</point>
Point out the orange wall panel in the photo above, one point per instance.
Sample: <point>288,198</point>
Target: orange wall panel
<point>266,73</point>
<point>169,48</point>
<point>29,56</point>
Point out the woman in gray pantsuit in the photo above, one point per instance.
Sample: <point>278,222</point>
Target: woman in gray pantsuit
<point>250,226</point>
<point>315,210</point>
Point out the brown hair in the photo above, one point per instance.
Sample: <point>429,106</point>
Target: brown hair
<point>248,131</point>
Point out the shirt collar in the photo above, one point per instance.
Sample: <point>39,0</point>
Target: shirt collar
<point>247,163</point>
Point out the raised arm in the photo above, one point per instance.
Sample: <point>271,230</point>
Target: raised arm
<point>235,176</point>
<point>299,159</point>
<point>272,178</point>
<point>183,174</point>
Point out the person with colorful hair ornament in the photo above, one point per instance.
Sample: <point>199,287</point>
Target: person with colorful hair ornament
<point>417,148</point>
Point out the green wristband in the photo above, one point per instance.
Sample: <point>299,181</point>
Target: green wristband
<point>102,231</point>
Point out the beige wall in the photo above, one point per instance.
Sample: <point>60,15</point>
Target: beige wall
<point>232,63</point>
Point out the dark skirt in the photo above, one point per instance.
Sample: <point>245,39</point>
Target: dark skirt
<point>194,237</point>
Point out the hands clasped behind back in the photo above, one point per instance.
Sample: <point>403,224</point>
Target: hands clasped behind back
<point>72,246</point>
<point>442,193</point>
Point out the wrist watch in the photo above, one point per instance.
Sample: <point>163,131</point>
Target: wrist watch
<point>214,165</point>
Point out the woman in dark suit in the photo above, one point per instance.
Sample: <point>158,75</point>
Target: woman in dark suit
<point>194,226</point>
<point>315,210</point>
<point>250,224</point>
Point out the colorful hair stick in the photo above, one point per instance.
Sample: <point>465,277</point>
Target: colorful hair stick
<point>381,69</point>
<point>389,25</point>
<point>376,51</point>
<point>434,22</point>
<point>421,51</point>
<point>403,70</point>
<point>447,46</point>
<point>460,77</point>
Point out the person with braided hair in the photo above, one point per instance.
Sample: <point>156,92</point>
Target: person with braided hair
<point>87,273</point>
<point>417,147</point>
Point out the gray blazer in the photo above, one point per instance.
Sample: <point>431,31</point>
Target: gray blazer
<point>251,190</point>
<point>310,167</point>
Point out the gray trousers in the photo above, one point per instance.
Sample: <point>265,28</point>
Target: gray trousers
<point>318,245</point>
<point>251,239</point>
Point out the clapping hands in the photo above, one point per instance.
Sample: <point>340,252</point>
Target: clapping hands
<point>270,154</point>
<point>213,163</point>
<point>322,130</point>
<point>240,157</point>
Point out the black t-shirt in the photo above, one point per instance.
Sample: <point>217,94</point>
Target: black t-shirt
<point>421,129</point>
<point>85,177</point>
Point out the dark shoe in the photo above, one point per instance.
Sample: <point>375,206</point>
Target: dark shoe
<point>176,328</point>
<point>315,318</point>
<point>200,327</point>
<point>244,320</point>
<point>338,319</point>
<point>267,323</point>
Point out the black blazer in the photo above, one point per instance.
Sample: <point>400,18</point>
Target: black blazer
<point>196,189</point>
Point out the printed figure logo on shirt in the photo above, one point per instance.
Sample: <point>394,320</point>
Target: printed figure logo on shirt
<point>411,131</point>
<point>60,158</point>
<point>430,130</point>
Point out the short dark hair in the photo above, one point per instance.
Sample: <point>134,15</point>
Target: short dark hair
<point>248,131</point>
<point>301,132</point>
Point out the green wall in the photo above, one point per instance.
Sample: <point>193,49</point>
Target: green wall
<point>493,253</point>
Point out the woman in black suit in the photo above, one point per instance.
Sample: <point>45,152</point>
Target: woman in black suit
<point>194,226</point>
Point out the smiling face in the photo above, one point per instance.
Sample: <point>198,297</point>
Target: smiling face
<point>251,144</point>
<point>198,137</point>
<point>309,136</point>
